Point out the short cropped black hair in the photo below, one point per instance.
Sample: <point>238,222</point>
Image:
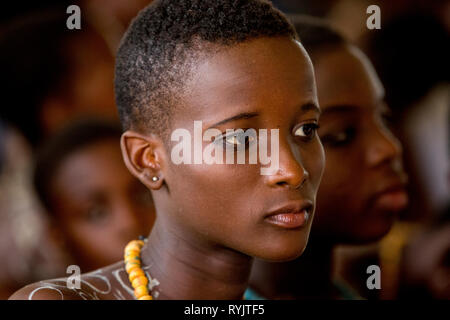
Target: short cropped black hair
<point>69,140</point>
<point>158,49</point>
<point>316,34</point>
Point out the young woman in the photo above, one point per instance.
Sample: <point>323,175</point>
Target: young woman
<point>228,65</point>
<point>363,182</point>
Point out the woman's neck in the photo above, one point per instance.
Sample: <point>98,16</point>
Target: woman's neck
<point>308,276</point>
<point>189,268</point>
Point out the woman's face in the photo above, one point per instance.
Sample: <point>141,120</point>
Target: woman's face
<point>99,206</point>
<point>267,83</point>
<point>363,182</point>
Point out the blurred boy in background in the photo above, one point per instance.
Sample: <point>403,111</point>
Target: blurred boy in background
<point>95,204</point>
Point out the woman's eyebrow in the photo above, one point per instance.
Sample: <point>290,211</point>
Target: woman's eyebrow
<point>310,106</point>
<point>340,109</point>
<point>243,115</point>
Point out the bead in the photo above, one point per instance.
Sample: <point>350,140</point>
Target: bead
<point>132,262</point>
<point>132,257</point>
<point>131,265</point>
<point>140,291</point>
<point>137,277</point>
<point>139,281</point>
<point>135,259</point>
<point>135,273</point>
<point>134,245</point>
<point>132,252</point>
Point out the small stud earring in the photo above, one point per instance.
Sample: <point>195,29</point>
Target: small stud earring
<point>155,178</point>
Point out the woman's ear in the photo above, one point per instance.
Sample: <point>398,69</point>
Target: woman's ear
<point>142,157</point>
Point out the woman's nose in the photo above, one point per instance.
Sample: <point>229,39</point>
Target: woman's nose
<point>290,171</point>
<point>382,147</point>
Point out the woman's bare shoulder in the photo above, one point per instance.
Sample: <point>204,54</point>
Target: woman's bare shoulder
<point>55,289</point>
<point>108,283</point>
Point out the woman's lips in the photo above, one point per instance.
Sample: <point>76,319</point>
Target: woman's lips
<point>289,220</point>
<point>393,200</point>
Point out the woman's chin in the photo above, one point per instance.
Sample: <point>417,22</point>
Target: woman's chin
<point>283,253</point>
<point>374,232</point>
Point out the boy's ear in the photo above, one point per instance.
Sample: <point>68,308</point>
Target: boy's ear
<point>142,156</point>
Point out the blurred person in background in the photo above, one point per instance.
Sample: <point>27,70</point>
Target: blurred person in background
<point>410,53</point>
<point>425,266</point>
<point>53,74</point>
<point>424,271</point>
<point>96,206</point>
<point>50,77</point>
<point>27,253</point>
<point>363,187</point>
<point>111,17</point>
<point>418,44</point>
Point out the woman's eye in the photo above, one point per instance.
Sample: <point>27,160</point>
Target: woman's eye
<point>387,119</point>
<point>341,138</point>
<point>237,139</point>
<point>97,214</point>
<point>307,131</point>
<point>232,140</point>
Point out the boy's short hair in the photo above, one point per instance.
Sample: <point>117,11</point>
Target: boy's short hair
<point>161,46</point>
<point>69,140</point>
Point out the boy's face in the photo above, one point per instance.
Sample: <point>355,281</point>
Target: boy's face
<point>269,84</point>
<point>99,206</point>
<point>363,182</point>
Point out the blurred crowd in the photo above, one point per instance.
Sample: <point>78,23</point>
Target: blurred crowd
<point>67,198</point>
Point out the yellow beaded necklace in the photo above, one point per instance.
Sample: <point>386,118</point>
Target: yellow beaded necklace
<point>137,277</point>
<point>138,280</point>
